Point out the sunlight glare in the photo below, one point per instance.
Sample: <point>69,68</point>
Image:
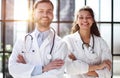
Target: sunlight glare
<point>21,10</point>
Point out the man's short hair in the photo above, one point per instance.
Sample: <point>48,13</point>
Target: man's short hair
<point>42,1</point>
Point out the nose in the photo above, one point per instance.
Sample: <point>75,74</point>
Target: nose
<point>85,19</point>
<point>45,14</point>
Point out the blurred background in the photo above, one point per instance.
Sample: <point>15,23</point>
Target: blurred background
<point>15,21</point>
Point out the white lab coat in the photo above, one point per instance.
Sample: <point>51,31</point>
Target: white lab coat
<point>39,57</point>
<point>78,68</point>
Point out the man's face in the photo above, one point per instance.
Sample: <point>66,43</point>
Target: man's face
<point>43,14</point>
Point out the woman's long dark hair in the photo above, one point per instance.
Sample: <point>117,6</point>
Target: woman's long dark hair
<point>94,29</point>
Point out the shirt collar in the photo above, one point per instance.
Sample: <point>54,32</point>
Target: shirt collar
<point>45,33</point>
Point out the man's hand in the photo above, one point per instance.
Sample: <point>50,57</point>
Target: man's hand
<point>58,63</point>
<point>20,59</point>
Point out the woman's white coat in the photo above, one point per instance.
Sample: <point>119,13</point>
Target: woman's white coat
<point>78,68</point>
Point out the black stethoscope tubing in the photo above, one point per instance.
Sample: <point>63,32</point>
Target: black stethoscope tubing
<point>53,41</point>
<point>32,41</point>
<point>87,43</point>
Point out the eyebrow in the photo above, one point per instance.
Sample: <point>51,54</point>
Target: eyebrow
<point>47,9</point>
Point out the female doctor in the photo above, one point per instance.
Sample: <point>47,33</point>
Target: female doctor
<point>89,55</point>
<point>39,54</point>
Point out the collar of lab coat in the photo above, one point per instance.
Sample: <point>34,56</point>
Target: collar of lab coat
<point>78,38</point>
<point>46,41</point>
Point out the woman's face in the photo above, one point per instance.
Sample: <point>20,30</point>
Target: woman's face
<point>85,20</point>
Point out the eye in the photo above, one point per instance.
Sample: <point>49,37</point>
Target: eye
<point>49,12</point>
<point>40,11</point>
<point>80,17</point>
<point>89,17</point>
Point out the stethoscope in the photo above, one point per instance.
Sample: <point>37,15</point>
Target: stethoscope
<point>49,56</point>
<point>86,46</point>
<point>88,49</point>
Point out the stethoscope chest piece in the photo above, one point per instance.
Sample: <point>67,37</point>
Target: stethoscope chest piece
<point>49,56</point>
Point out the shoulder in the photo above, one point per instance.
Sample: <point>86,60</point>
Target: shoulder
<point>100,40</point>
<point>21,39</point>
<point>59,40</point>
<point>70,36</point>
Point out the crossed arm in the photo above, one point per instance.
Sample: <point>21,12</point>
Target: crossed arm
<point>57,63</point>
<point>105,64</point>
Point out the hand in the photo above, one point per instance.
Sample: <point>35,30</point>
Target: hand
<point>92,73</point>
<point>106,64</point>
<point>58,63</point>
<point>72,56</point>
<point>20,59</point>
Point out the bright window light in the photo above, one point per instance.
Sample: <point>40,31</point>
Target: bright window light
<point>21,9</point>
<point>0,9</point>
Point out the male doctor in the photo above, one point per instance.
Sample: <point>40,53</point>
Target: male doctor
<point>40,54</point>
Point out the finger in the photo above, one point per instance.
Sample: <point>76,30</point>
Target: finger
<point>21,59</point>
<point>59,63</point>
<point>18,61</point>
<point>53,65</point>
<point>109,64</point>
<point>72,57</point>
<point>56,66</point>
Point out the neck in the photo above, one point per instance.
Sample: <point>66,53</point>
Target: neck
<point>85,35</point>
<point>42,28</point>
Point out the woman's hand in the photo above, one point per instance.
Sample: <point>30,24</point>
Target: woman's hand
<point>92,73</point>
<point>106,64</point>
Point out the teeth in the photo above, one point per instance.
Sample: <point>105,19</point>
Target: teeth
<point>85,24</point>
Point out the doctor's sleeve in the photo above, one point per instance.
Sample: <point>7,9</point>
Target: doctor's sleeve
<point>37,70</point>
<point>60,52</point>
<point>77,66</point>
<point>19,70</point>
<point>106,55</point>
